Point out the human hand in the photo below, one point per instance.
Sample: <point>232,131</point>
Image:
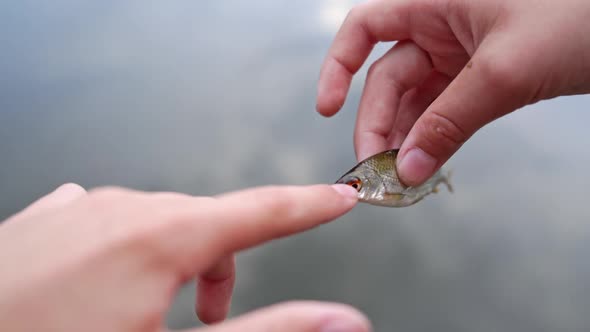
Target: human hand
<point>459,65</point>
<point>113,259</point>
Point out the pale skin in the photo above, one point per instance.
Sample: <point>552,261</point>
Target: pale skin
<point>113,259</point>
<point>458,65</point>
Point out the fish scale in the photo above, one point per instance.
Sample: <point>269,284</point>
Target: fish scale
<point>377,182</point>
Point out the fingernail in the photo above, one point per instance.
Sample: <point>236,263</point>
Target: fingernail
<point>346,191</point>
<point>343,326</point>
<point>416,166</point>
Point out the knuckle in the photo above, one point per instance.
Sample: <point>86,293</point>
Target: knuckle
<point>71,186</point>
<point>354,13</point>
<point>145,236</point>
<point>134,221</point>
<point>357,17</point>
<point>374,68</point>
<point>380,70</point>
<point>124,211</point>
<point>442,133</point>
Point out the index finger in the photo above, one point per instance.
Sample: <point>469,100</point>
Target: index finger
<point>250,217</point>
<point>365,25</point>
<point>197,232</point>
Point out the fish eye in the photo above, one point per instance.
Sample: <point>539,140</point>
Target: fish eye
<point>355,182</point>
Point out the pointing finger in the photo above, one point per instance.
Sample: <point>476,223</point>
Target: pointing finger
<point>192,234</point>
<point>254,216</point>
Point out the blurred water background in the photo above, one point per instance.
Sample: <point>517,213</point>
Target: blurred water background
<point>204,97</point>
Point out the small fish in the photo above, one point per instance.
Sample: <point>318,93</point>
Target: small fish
<point>377,182</point>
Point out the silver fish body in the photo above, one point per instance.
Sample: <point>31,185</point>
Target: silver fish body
<point>377,182</point>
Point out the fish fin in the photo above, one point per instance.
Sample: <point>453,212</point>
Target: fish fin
<point>447,180</point>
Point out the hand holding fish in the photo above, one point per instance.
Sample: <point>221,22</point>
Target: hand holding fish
<point>113,259</point>
<point>457,66</point>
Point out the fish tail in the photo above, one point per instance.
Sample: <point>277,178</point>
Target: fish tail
<point>446,179</point>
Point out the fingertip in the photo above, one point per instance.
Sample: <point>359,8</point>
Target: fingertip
<point>327,112</point>
<point>214,291</point>
<point>211,316</point>
<point>329,103</point>
<point>415,166</point>
<point>345,200</point>
<point>325,203</point>
<point>346,191</point>
<point>333,87</point>
<point>213,300</point>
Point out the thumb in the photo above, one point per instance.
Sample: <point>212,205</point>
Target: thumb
<point>297,317</point>
<point>494,83</point>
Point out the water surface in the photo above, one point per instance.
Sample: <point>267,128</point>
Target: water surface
<point>204,97</point>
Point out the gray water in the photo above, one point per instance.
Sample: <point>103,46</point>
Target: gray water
<point>204,97</point>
